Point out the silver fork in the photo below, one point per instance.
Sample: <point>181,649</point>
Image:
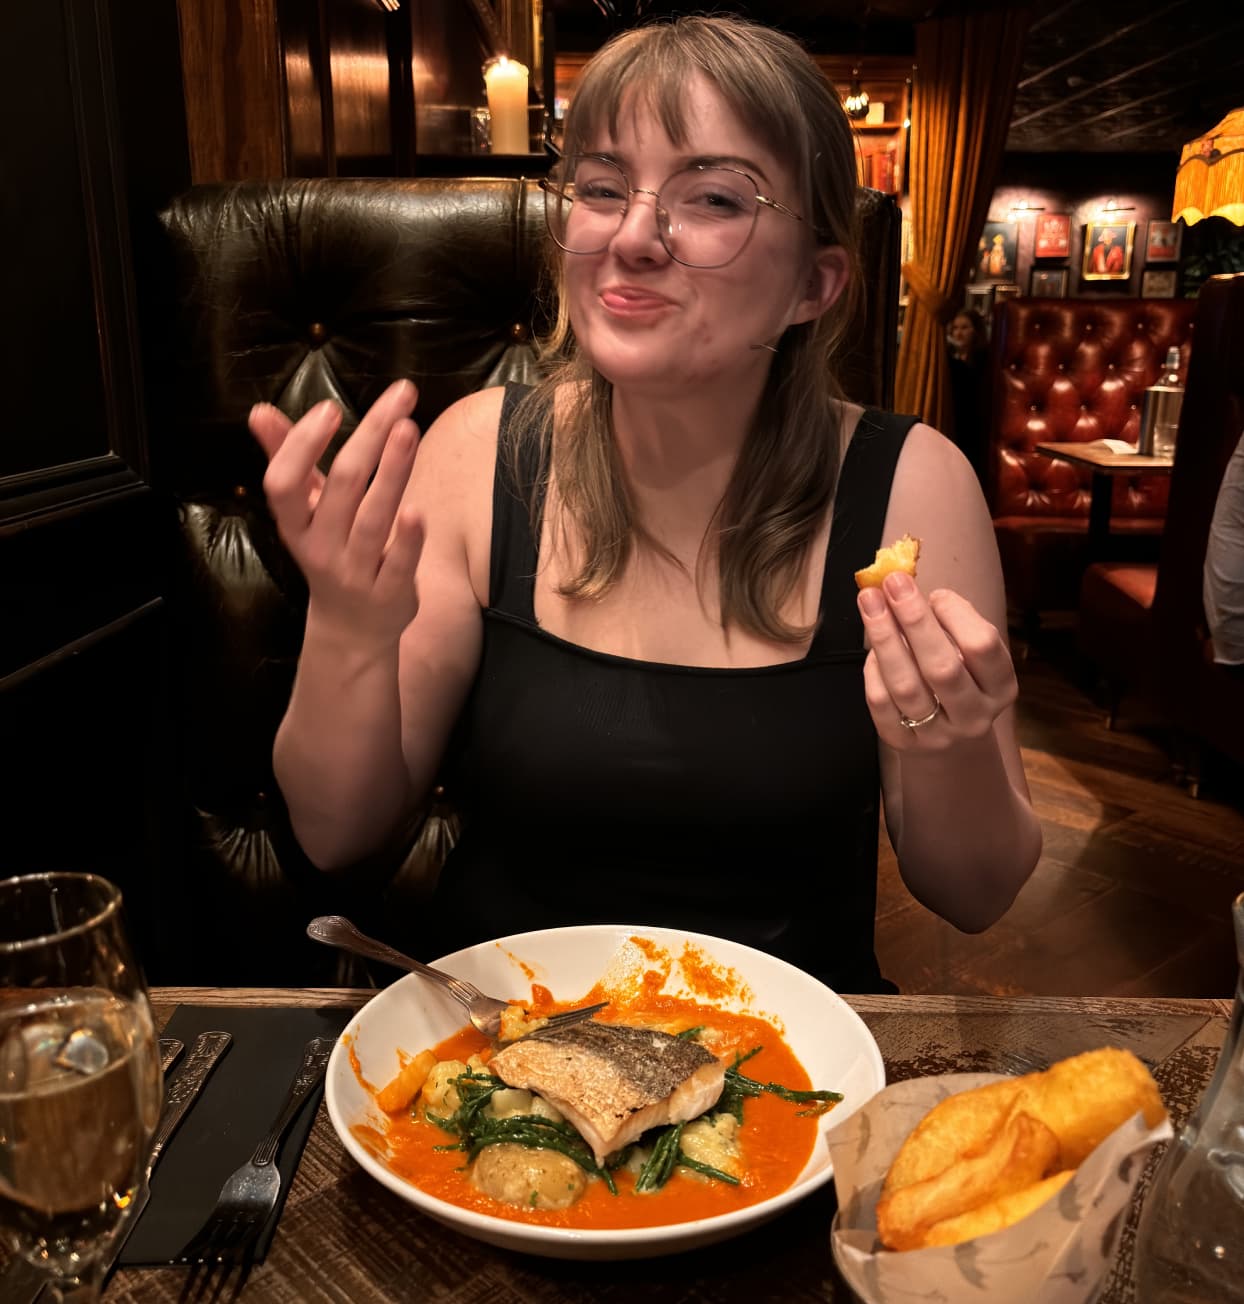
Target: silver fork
<point>250,1193</point>
<point>483,1011</point>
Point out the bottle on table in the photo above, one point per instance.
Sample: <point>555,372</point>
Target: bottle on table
<point>1159,416</point>
<point>1190,1241</point>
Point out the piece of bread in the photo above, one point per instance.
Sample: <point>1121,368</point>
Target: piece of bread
<point>899,556</point>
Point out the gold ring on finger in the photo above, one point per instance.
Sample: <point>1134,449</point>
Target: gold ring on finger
<point>908,723</point>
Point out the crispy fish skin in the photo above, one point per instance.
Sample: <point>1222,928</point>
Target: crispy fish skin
<point>613,1082</point>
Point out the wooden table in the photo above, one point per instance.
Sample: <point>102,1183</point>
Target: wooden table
<point>1105,466</point>
<point>345,1238</point>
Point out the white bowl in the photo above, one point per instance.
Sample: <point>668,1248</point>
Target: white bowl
<point>828,1037</point>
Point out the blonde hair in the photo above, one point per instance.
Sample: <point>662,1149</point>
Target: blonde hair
<point>788,466</point>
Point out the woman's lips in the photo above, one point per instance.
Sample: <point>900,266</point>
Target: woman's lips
<point>624,302</point>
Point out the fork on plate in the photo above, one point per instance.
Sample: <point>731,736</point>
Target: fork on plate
<point>249,1195</point>
<point>483,1011</point>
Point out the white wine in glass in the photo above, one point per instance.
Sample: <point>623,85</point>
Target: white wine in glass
<point>80,1083</point>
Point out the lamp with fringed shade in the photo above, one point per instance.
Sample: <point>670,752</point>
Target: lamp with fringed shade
<point>1210,180</point>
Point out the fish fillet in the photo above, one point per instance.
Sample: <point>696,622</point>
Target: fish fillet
<point>613,1082</point>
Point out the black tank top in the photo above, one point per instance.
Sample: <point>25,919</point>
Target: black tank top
<point>741,803</point>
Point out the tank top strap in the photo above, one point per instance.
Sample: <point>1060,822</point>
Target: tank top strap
<point>514,554</point>
<point>860,504</point>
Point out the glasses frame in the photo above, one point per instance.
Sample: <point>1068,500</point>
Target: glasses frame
<point>553,187</point>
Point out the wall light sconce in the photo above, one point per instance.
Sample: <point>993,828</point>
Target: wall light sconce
<point>1111,206</point>
<point>1023,208</point>
<point>856,102</point>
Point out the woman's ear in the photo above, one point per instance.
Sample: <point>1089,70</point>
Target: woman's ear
<point>831,270</point>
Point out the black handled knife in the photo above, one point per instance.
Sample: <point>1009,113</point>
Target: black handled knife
<point>180,1092</point>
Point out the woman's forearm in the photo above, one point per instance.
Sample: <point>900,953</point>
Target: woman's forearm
<point>338,752</point>
<point>966,839</point>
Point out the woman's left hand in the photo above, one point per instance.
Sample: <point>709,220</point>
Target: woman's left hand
<point>935,656</point>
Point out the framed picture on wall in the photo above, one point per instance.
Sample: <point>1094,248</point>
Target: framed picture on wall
<point>1052,238</point>
<point>1162,240</point>
<point>1108,251</point>
<point>1159,284</point>
<point>1048,283</point>
<point>979,298</point>
<point>995,252</point>
<point>1001,292</point>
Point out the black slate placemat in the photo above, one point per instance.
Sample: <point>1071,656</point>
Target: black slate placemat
<point>231,1116</point>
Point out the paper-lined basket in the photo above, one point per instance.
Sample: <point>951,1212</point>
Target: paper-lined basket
<point>1058,1255</point>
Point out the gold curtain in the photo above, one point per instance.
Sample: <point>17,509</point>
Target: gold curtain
<point>967,67</point>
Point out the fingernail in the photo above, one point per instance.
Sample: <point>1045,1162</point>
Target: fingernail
<point>898,584</point>
<point>871,602</point>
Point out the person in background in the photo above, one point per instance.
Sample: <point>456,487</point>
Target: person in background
<point>1223,580</point>
<point>615,614</point>
<point>968,354</point>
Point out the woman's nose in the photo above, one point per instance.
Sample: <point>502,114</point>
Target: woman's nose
<point>638,236</point>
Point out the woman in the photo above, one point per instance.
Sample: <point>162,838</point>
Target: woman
<point>968,350</point>
<point>632,643</point>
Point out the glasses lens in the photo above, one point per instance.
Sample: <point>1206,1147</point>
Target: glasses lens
<point>584,204</point>
<point>710,213</point>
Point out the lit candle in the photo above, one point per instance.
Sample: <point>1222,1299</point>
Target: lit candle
<point>506,82</point>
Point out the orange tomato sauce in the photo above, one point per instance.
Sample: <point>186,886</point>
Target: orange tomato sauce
<point>775,1141</point>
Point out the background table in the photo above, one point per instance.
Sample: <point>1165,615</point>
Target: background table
<point>345,1238</point>
<point>1104,465</point>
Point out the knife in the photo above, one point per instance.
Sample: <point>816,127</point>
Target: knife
<point>180,1093</point>
<point>22,1284</point>
<point>170,1050</point>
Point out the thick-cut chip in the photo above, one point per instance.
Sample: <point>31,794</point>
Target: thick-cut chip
<point>958,1126</point>
<point>966,1171</point>
<point>1023,1151</point>
<point>1083,1099</point>
<point>996,1215</point>
<point>899,556</point>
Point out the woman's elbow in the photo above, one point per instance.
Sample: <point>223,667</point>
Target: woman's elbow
<point>997,886</point>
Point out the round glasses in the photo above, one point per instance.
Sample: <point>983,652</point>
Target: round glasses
<point>705,215</point>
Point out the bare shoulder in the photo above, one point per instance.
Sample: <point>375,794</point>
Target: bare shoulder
<point>451,489</point>
<point>463,437</point>
<point>937,497</point>
<point>927,452</point>
<point>453,471</point>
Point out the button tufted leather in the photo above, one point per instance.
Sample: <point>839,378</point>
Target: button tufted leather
<point>1070,370</point>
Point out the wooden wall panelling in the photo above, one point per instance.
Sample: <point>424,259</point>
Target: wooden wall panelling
<point>83,538</point>
<point>235,99</point>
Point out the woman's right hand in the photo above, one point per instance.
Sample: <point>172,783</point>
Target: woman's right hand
<point>355,543</point>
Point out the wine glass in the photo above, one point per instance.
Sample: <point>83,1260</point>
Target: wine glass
<point>80,1082</point>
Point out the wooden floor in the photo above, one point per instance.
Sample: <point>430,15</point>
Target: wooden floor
<point>1132,895</point>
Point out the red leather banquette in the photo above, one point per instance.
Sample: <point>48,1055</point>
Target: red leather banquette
<point>1071,370</point>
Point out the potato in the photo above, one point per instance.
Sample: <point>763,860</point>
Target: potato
<point>440,1094</point>
<point>397,1095</point>
<point>1021,1153</point>
<point>997,1214</point>
<point>1083,1099</point>
<point>527,1178</point>
<point>983,1159</point>
<point>713,1140</point>
<point>899,556</point>
<point>958,1126</point>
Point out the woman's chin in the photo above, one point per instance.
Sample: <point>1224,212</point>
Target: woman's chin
<point>665,371</point>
